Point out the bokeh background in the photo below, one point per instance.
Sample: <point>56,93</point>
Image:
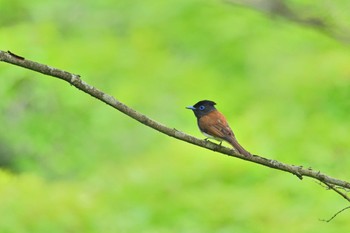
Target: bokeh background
<point>70,163</point>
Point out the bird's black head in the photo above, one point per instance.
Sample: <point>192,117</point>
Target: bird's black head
<point>202,108</point>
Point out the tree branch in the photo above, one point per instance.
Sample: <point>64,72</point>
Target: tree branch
<point>75,80</point>
<point>280,8</point>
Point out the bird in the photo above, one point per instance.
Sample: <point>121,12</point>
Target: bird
<point>213,124</point>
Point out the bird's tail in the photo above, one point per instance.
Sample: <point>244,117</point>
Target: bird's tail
<point>238,147</point>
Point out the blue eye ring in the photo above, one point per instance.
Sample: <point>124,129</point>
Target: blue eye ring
<point>201,107</point>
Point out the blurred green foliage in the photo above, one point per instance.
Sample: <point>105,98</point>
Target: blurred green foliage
<point>73,164</point>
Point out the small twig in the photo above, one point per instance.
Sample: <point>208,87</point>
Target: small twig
<point>15,55</point>
<point>335,215</point>
<point>336,189</point>
<point>345,189</point>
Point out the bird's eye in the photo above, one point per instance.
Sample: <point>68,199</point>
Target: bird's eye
<point>201,107</point>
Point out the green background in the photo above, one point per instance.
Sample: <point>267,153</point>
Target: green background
<point>70,163</point>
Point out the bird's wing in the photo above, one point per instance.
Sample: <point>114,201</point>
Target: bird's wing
<point>215,124</point>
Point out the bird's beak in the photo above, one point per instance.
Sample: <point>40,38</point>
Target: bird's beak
<point>191,107</point>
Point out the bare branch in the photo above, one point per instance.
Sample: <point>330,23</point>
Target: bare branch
<point>75,80</point>
<point>280,8</point>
